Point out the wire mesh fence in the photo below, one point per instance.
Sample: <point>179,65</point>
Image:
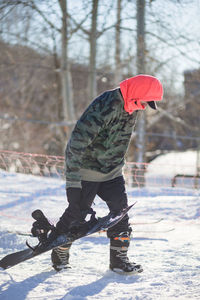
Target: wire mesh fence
<point>178,180</point>
<point>137,175</point>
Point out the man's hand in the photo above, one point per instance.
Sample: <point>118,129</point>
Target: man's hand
<point>77,227</point>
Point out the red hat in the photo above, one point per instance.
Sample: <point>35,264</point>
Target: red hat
<point>141,88</point>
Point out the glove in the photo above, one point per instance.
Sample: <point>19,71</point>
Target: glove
<point>81,227</point>
<point>77,227</point>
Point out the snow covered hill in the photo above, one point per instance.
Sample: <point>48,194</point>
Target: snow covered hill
<point>163,169</point>
<point>171,259</point>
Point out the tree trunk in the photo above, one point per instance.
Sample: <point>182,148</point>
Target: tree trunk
<point>93,51</point>
<point>141,125</point>
<point>66,81</point>
<point>118,72</point>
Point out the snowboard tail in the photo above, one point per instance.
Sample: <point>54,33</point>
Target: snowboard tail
<point>103,223</point>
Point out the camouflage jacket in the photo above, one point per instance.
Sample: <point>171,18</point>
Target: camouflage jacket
<point>99,140</point>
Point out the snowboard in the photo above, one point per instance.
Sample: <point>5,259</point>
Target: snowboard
<point>96,225</point>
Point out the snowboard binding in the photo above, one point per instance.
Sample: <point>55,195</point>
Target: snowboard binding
<point>45,231</point>
<point>41,226</point>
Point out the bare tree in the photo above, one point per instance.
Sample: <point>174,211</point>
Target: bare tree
<point>51,27</point>
<point>93,50</point>
<point>93,34</point>
<point>118,45</point>
<point>67,89</point>
<point>141,125</point>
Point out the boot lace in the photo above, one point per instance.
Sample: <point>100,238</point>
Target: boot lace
<point>123,256</point>
<point>62,254</point>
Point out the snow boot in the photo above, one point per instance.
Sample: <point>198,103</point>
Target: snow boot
<point>119,261</point>
<point>60,257</point>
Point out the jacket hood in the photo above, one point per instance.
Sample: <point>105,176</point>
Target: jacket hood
<point>140,88</point>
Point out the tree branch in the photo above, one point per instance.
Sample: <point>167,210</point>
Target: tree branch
<point>173,118</point>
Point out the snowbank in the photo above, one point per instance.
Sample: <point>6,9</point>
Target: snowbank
<point>170,258</point>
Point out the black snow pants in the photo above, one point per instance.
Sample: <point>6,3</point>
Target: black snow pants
<point>113,193</point>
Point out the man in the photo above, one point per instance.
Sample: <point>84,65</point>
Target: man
<point>94,160</point>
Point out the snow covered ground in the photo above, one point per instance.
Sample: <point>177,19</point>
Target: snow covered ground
<point>171,260</point>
